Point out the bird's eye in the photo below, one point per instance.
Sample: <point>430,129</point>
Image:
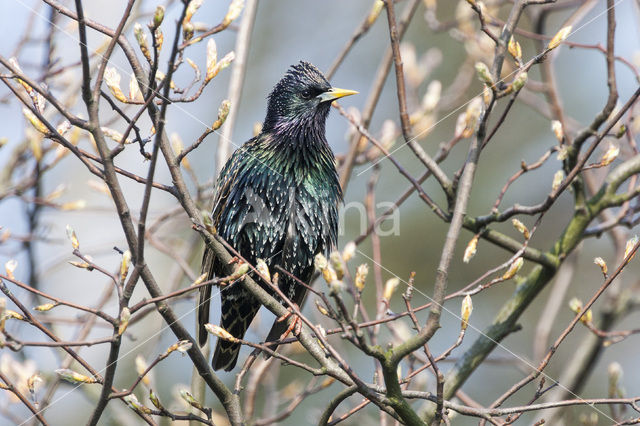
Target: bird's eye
<point>306,94</point>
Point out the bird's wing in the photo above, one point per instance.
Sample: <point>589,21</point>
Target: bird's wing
<point>224,184</point>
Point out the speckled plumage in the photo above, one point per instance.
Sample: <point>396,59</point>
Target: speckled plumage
<point>277,199</point>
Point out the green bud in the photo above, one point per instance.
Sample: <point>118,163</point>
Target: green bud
<point>158,16</point>
<point>132,401</point>
<point>155,401</point>
<point>519,81</point>
<point>482,70</point>
<point>73,377</point>
<point>336,262</point>
<point>191,400</point>
<point>223,112</point>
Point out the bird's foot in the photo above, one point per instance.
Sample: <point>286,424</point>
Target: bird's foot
<point>234,259</point>
<point>295,326</point>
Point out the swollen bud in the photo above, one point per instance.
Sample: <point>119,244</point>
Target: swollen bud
<point>9,314</point>
<point>112,80</point>
<point>484,75</point>
<point>465,311</point>
<point>73,377</point>
<point>519,81</point>
<point>263,269</point>
<point>471,116</point>
<point>629,247</point>
<point>521,228</point>
<point>559,37</point>
<point>513,269</point>
<point>135,405</point>
<point>134,89</point>
<point>141,38</point>
<point>320,262</point>
<point>35,121</point>
<point>514,49</point>
<point>158,16</point>
<point>219,332</point>
<point>155,400</point>
<point>610,154</point>
<point>349,251</point>
<point>219,66</point>
<point>240,270</point>
<point>614,371</point>
<point>46,307</point>
<point>182,346</point>
<point>223,112</point>
<point>361,275</point>
<point>191,400</point>
<point>10,267</point>
<point>335,258</point>
<point>576,306</point>
<point>200,279</point>
<point>81,265</point>
<point>187,31</point>
<point>375,11</point>
<point>235,8</point>
<point>556,127</point>
<point>602,264</point>
<point>390,287</point>
<point>159,38</point>
<point>471,249</point>
<point>336,287</point>
<point>322,309</point>
<point>32,382</point>
<point>192,7</point>
<point>431,97</point>
<point>557,180</point>
<point>212,55</point>
<point>124,266</point>
<point>125,316</point>
<point>207,222</point>
<point>141,367</point>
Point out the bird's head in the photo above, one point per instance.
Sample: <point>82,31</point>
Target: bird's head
<point>303,95</point>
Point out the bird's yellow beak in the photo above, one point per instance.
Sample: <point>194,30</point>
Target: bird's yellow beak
<point>335,93</point>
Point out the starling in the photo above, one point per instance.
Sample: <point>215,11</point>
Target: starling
<point>277,199</point>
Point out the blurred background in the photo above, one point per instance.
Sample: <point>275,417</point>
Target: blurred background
<point>285,32</point>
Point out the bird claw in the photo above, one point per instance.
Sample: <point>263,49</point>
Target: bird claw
<point>295,326</point>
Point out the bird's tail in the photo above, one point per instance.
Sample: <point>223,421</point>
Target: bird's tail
<point>237,315</point>
<point>275,333</point>
<point>202,313</point>
<point>279,327</point>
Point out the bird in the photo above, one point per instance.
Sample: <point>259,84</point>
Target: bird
<point>277,199</point>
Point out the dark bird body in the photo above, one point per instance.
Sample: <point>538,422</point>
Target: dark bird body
<point>277,199</point>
